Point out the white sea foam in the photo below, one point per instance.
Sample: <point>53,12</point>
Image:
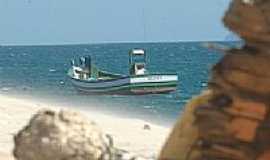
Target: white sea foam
<point>204,84</point>
<point>5,89</point>
<point>52,70</point>
<point>148,107</point>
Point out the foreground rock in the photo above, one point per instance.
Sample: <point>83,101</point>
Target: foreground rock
<point>57,136</point>
<point>65,135</point>
<point>231,120</point>
<point>250,20</point>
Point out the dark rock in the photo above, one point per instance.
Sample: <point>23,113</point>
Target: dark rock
<point>147,127</point>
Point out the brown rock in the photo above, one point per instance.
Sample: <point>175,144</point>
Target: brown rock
<point>243,71</point>
<point>250,20</point>
<point>60,135</point>
<point>147,127</point>
<point>232,122</point>
<point>184,133</point>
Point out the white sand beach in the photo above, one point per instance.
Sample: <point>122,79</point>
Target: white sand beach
<point>128,134</point>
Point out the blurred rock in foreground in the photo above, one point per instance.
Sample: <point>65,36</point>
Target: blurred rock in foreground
<point>65,135</point>
<point>57,136</point>
<point>250,20</point>
<point>231,120</point>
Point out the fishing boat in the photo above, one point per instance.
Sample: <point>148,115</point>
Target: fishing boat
<point>87,78</point>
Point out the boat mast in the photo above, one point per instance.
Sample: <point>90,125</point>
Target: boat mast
<point>144,24</point>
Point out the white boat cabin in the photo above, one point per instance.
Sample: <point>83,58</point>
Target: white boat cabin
<point>137,62</point>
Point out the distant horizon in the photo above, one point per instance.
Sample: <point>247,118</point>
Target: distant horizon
<point>102,43</point>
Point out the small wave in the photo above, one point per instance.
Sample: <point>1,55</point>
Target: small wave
<point>148,107</point>
<point>52,70</point>
<point>169,96</point>
<point>204,84</point>
<point>116,96</point>
<point>186,100</point>
<point>171,54</point>
<point>5,89</point>
<point>26,88</point>
<point>96,47</point>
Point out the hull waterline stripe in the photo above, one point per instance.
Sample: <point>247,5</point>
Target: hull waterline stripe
<point>126,87</point>
<point>146,84</point>
<point>124,77</point>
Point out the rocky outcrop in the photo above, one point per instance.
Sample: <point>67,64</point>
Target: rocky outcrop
<point>57,136</point>
<point>66,135</point>
<point>231,121</point>
<point>250,20</point>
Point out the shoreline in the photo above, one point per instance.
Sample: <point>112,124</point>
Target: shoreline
<point>128,133</point>
<point>105,108</point>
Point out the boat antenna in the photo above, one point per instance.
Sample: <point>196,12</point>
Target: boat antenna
<point>144,24</point>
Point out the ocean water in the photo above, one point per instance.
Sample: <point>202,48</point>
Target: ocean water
<point>39,72</point>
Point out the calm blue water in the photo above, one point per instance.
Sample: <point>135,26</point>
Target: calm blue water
<point>40,72</point>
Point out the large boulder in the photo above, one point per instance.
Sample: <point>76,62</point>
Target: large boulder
<point>63,135</point>
<point>66,135</point>
<point>232,121</point>
<point>250,19</point>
